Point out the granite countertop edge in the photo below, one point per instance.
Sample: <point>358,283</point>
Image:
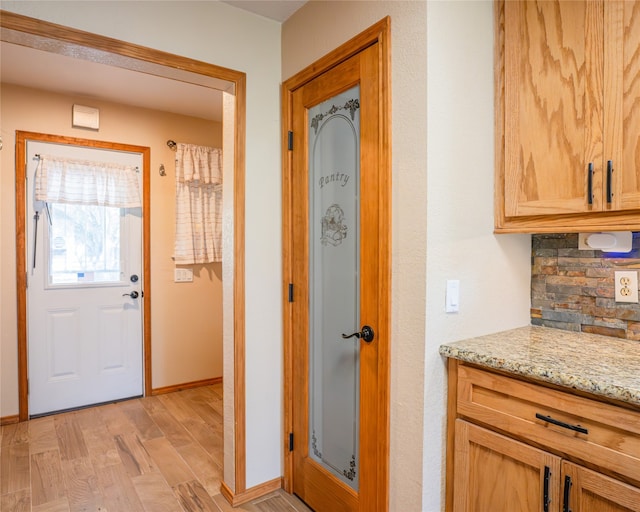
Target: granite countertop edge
<point>621,386</point>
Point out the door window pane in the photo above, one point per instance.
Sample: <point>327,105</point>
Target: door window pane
<point>84,244</point>
<point>334,267</point>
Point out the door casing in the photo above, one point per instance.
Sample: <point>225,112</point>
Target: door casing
<point>380,34</point>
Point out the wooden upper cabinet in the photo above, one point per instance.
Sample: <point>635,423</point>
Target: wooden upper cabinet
<point>622,100</point>
<point>553,100</point>
<point>568,103</point>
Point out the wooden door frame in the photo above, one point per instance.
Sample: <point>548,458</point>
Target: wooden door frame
<point>101,49</point>
<point>379,33</point>
<point>22,138</point>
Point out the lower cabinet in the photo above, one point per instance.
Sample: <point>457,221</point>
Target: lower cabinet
<point>496,473</point>
<point>519,446</point>
<point>588,491</point>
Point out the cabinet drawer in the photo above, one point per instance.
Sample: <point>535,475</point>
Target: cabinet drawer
<point>594,432</point>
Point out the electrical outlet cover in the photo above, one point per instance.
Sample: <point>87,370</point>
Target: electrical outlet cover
<point>626,285</point>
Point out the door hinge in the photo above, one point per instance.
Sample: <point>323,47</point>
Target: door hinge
<point>27,386</point>
<point>290,140</point>
<point>290,441</point>
<point>290,292</point>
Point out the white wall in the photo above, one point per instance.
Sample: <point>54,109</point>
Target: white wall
<point>217,33</point>
<point>494,270</point>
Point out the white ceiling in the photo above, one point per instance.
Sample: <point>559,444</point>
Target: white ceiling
<point>278,10</point>
<point>186,95</point>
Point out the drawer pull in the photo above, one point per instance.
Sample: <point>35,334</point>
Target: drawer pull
<point>549,419</point>
<point>567,490</point>
<point>609,179</point>
<point>590,184</point>
<point>545,490</point>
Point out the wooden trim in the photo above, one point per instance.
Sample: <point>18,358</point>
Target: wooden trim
<point>239,287</point>
<point>95,44</point>
<point>287,273</point>
<point>236,499</point>
<point>185,385</point>
<point>378,33</point>
<point>146,268</point>
<point>21,270</point>
<point>21,277</point>
<point>385,262</point>
<point>69,36</point>
<point>8,420</point>
<point>452,414</point>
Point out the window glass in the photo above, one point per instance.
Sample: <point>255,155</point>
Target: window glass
<point>84,244</point>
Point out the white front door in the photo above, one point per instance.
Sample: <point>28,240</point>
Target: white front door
<point>84,294</point>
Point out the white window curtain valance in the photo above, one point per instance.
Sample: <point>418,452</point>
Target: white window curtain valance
<point>198,204</point>
<point>64,180</point>
<point>198,164</point>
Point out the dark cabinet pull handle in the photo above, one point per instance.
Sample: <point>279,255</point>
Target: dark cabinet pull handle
<point>545,490</point>
<point>590,184</point>
<point>567,491</point>
<point>549,419</point>
<point>609,179</point>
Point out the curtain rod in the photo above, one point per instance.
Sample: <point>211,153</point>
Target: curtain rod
<point>38,156</point>
<point>172,144</point>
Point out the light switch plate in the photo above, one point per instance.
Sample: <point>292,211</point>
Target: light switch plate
<point>183,275</point>
<point>452,298</point>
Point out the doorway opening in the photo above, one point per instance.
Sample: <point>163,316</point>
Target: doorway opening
<point>60,40</point>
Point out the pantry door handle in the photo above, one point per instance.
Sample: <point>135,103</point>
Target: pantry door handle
<point>367,334</point>
<point>590,184</point>
<point>609,180</point>
<point>569,426</point>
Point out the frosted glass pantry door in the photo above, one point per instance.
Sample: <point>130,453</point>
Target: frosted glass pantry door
<point>338,252</point>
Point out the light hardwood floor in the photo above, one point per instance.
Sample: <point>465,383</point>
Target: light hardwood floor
<point>155,454</point>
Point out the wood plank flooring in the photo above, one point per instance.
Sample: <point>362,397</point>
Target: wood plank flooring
<point>156,454</point>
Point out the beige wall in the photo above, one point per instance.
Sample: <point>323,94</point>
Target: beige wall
<point>186,317</point>
<point>316,29</point>
<point>494,270</point>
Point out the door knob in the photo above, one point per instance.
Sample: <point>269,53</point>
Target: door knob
<point>366,334</point>
<point>134,294</point>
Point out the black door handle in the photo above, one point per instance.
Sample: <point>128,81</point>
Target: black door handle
<point>366,334</point>
<point>134,294</point>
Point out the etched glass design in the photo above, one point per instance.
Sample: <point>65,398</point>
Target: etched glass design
<point>334,268</point>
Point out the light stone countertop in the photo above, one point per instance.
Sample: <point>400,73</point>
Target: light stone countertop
<point>601,365</point>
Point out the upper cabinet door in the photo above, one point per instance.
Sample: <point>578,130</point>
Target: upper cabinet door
<point>553,107</point>
<point>622,102</point>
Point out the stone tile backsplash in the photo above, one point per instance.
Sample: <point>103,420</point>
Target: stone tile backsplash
<point>574,290</point>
